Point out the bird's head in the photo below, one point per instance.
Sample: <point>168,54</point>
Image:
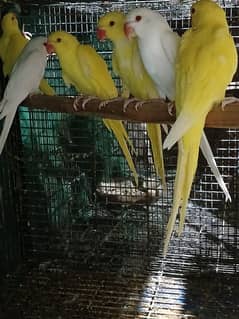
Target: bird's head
<point>59,41</point>
<point>9,22</point>
<point>206,12</point>
<point>37,42</point>
<point>111,26</point>
<point>141,22</point>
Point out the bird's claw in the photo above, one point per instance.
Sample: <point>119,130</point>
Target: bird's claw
<point>88,99</point>
<point>85,101</point>
<point>170,108</point>
<point>76,101</point>
<point>126,103</point>
<point>228,100</point>
<point>105,102</point>
<point>138,104</point>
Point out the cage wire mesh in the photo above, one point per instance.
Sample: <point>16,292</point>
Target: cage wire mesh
<point>92,242</point>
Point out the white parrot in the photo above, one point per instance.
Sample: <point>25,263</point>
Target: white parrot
<point>158,46</point>
<point>24,80</point>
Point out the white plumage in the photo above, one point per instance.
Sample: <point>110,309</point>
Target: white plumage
<point>24,79</point>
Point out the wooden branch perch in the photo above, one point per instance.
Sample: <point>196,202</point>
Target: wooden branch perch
<point>152,111</point>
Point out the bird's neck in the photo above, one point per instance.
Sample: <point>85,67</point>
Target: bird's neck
<point>121,41</point>
<point>11,31</point>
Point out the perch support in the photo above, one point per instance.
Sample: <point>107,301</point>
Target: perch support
<point>151,111</point>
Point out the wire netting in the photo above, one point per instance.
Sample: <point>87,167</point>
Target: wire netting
<point>91,241</point>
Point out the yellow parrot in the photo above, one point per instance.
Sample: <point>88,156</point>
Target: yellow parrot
<point>12,42</point>
<point>205,65</point>
<point>86,70</point>
<point>127,63</point>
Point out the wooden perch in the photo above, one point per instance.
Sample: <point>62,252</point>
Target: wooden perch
<point>152,111</point>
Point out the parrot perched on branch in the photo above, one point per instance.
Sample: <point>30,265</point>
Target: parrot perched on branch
<point>86,70</point>
<point>12,42</point>
<point>158,46</point>
<point>24,80</point>
<point>205,65</point>
<point>127,63</point>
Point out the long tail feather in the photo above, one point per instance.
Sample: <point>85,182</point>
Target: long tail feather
<point>6,128</point>
<point>186,167</point>
<point>180,176</point>
<point>207,152</point>
<point>109,123</point>
<point>121,135</point>
<point>179,128</point>
<point>154,133</point>
<point>191,166</point>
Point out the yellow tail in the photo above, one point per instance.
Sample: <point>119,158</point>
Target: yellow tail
<point>188,150</point>
<point>121,135</point>
<point>46,88</point>
<point>154,134</point>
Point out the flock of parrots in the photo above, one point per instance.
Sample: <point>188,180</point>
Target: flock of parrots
<point>153,61</point>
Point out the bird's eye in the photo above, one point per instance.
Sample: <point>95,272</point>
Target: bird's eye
<point>58,40</point>
<point>138,18</point>
<point>111,23</point>
<point>193,10</point>
<point>13,18</point>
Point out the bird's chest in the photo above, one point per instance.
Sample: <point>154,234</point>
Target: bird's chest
<point>153,55</point>
<point>157,64</point>
<point>123,58</point>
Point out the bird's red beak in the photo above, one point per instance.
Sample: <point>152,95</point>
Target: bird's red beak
<point>128,30</point>
<point>101,34</point>
<point>49,47</point>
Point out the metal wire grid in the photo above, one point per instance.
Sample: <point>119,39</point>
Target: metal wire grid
<point>206,199</point>
<point>76,217</point>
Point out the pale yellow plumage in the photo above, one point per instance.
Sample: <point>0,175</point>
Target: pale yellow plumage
<point>12,42</point>
<point>206,62</point>
<point>128,65</point>
<point>86,70</point>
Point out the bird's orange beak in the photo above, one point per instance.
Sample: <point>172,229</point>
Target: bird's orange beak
<point>101,34</point>
<point>49,47</point>
<point>129,30</point>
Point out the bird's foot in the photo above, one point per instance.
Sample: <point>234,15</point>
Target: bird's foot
<point>126,103</point>
<point>139,104</point>
<point>85,101</point>
<point>88,99</point>
<point>76,101</point>
<point>228,100</point>
<point>106,102</point>
<point>170,108</point>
